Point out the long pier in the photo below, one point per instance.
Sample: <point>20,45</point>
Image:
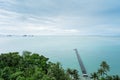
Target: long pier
<point>84,72</point>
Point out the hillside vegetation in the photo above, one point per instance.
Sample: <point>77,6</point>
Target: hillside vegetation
<point>32,66</point>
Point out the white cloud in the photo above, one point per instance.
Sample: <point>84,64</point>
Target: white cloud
<point>8,1</point>
<point>58,17</point>
<point>16,23</point>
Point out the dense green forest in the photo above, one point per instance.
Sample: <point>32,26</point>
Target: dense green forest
<point>32,66</point>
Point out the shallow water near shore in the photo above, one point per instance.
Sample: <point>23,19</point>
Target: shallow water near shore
<point>92,50</point>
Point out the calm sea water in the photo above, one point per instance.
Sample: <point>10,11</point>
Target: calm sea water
<point>93,50</point>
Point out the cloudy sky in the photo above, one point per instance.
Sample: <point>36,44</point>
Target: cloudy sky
<point>60,17</point>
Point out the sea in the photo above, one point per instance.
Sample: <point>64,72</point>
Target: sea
<point>92,50</point>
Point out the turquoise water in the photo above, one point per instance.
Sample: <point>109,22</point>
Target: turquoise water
<point>93,50</point>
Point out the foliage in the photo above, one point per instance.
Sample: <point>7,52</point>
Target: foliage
<point>102,74</point>
<point>73,74</point>
<point>31,66</point>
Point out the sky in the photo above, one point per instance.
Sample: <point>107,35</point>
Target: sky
<point>60,17</point>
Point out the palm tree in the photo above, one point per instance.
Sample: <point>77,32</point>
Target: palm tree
<point>73,74</point>
<point>94,76</point>
<point>105,66</point>
<point>109,78</point>
<point>100,72</point>
<point>116,77</point>
<point>70,72</point>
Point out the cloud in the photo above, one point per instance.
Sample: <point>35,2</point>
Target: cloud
<point>8,1</point>
<point>16,23</point>
<point>61,17</point>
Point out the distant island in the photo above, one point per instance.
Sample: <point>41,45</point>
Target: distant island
<point>33,35</point>
<point>1,35</point>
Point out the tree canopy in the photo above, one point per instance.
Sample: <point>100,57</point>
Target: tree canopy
<point>31,66</point>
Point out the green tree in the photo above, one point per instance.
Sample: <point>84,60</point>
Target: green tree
<point>31,66</point>
<point>73,73</point>
<point>100,72</point>
<point>56,71</point>
<point>94,76</point>
<point>105,67</point>
<point>109,78</point>
<point>116,77</point>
